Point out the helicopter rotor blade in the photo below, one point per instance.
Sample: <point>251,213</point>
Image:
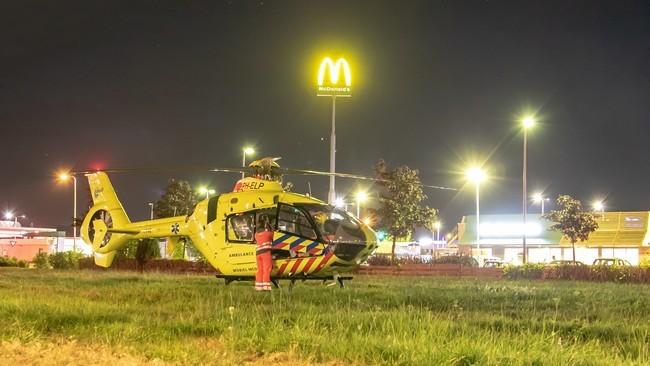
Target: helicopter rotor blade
<point>352,176</point>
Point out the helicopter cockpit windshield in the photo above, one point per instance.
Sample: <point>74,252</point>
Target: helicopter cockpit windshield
<point>334,225</point>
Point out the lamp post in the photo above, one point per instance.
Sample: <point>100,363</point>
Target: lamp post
<point>539,198</point>
<point>151,211</point>
<point>360,198</point>
<point>207,192</point>
<point>437,225</point>
<point>527,123</point>
<point>63,177</point>
<point>247,150</point>
<point>477,175</point>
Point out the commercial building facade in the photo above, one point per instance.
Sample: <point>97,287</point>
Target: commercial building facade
<point>25,242</point>
<point>622,235</point>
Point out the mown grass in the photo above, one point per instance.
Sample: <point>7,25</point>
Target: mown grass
<point>390,321</point>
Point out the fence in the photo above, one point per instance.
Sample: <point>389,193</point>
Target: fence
<point>448,270</point>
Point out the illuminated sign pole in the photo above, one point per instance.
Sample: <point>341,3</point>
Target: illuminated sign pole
<point>331,87</point>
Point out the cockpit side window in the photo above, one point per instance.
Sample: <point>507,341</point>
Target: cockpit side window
<point>292,220</point>
<point>241,227</point>
<point>334,225</point>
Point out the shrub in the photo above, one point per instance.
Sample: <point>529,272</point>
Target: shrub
<point>644,261</point>
<point>42,260</point>
<point>465,260</point>
<point>531,271</point>
<point>8,262</point>
<point>65,260</point>
<point>384,260</point>
<point>380,260</point>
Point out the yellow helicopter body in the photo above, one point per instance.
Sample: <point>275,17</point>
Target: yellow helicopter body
<point>311,238</point>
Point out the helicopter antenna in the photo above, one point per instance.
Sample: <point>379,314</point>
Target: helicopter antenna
<point>309,186</point>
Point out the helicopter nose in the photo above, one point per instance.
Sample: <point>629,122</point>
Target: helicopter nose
<point>354,250</point>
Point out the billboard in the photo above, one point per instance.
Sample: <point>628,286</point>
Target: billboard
<point>334,78</point>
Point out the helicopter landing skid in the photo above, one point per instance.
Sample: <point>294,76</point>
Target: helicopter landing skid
<point>276,281</point>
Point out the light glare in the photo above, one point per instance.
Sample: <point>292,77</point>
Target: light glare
<point>599,206</point>
<point>475,175</point>
<point>528,121</point>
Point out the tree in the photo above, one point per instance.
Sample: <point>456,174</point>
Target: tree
<point>145,250</point>
<point>179,199</point>
<point>574,223</point>
<point>401,208</point>
<point>141,250</point>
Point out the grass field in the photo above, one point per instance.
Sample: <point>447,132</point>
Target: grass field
<point>82,317</point>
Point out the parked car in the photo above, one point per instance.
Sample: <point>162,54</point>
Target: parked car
<point>611,262</point>
<point>493,263</point>
<point>562,262</point>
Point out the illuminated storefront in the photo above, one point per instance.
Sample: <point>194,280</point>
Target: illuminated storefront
<point>622,235</point>
<point>25,242</point>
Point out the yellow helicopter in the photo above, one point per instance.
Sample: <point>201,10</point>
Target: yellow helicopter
<point>311,239</point>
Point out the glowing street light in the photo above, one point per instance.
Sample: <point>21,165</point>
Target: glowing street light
<point>64,177</point>
<point>206,191</point>
<point>539,198</point>
<point>339,202</point>
<point>527,123</point>
<point>598,206</point>
<point>334,86</point>
<point>246,151</point>
<point>476,175</point>
<point>361,197</point>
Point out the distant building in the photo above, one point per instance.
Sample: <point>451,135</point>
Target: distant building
<point>25,242</point>
<point>619,235</point>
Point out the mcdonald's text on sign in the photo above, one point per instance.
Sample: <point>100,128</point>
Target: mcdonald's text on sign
<point>334,78</point>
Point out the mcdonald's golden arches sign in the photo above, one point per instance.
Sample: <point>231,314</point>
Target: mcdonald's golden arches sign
<point>334,78</point>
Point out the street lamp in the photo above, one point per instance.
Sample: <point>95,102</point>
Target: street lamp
<point>339,202</point>
<point>476,175</point>
<point>539,198</point>
<point>10,215</point>
<point>437,225</point>
<point>527,122</point>
<point>207,192</point>
<point>246,151</point>
<point>151,212</point>
<point>64,177</point>
<point>360,198</point>
<point>599,206</point>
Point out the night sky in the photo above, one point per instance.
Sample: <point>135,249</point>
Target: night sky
<point>437,85</point>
